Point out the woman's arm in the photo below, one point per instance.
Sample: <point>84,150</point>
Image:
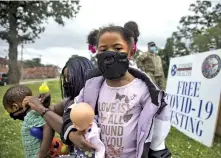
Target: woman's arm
<point>53,119</point>
<point>68,134</point>
<point>56,122</point>
<point>59,107</point>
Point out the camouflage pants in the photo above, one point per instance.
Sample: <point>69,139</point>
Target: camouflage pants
<point>159,80</point>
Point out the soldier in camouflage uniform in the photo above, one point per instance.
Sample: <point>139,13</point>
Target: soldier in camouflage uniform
<point>145,62</point>
<point>151,63</point>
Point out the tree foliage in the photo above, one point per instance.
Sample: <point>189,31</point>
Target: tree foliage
<point>197,32</point>
<point>23,21</point>
<point>202,28</point>
<point>35,62</point>
<point>166,54</point>
<point>211,38</point>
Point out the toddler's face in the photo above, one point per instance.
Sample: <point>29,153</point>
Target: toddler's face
<point>14,108</point>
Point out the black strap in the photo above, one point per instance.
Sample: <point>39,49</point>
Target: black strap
<point>165,153</point>
<point>96,105</point>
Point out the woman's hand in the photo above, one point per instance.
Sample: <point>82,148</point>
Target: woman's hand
<point>78,139</point>
<point>33,102</point>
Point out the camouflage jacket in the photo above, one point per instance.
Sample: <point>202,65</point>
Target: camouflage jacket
<point>145,62</point>
<point>150,63</point>
<point>158,66</point>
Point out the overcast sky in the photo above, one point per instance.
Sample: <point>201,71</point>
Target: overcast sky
<point>157,19</point>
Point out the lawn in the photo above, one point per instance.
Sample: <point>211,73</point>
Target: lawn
<point>11,146</point>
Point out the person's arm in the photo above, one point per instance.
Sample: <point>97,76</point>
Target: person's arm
<point>140,61</point>
<point>67,126</point>
<point>143,56</point>
<point>154,145</point>
<point>53,119</point>
<point>59,107</point>
<point>48,134</point>
<point>161,62</point>
<point>68,134</point>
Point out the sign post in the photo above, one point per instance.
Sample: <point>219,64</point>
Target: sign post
<point>193,94</point>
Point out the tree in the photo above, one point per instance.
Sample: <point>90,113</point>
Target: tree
<point>197,32</point>
<point>205,19</point>
<point>179,46</point>
<point>211,38</point>
<point>23,21</point>
<point>166,54</point>
<point>35,62</point>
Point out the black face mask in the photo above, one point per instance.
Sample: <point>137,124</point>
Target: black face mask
<point>113,65</point>
<point>68,87</point>
<point>20,116</point>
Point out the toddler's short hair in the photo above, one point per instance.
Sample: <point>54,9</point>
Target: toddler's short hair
<point>14,94</point>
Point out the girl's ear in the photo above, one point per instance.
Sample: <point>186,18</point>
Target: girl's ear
<point>132,52</point>
<point>133,49</point>
<point>130,55</point>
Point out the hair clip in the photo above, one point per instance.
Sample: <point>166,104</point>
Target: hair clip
<point>92,49</point>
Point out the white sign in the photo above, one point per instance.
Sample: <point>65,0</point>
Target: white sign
<point>193,93</point>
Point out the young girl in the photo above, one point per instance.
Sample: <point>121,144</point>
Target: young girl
<point>130,107</point>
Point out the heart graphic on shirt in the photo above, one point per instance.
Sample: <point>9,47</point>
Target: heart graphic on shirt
<point>127,117</point>
<point>119,97</point>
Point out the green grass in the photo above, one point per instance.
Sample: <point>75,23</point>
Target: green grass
<point>11,145</point>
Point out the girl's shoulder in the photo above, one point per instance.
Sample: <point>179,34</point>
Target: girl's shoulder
<point>142,88</point>
<point>141,84</point>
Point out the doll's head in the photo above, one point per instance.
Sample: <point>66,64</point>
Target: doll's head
<point>82,116</point>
